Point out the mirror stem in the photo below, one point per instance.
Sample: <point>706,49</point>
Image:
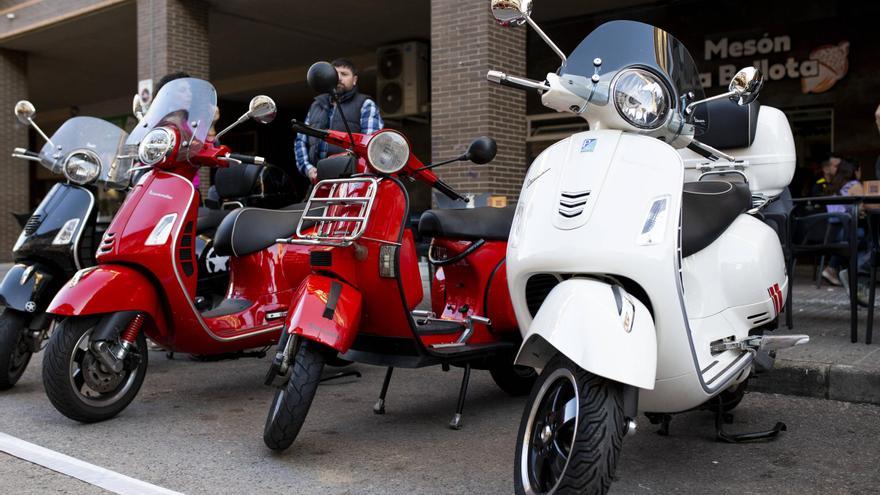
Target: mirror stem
<point>344,120</point>
<point>231,126</point>
<point>546,38</point>
<point>690,108</point>
<point>428,167</point>
<point>43,134</point>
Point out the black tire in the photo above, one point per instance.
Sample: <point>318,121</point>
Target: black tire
<point>577,455</point>
<point>15,353</point>
<point>512,379</point>
<point>65,386</point>
<point>294,398</point>
<point>729,398</point>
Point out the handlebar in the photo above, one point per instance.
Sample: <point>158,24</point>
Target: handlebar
<point>256,160</point>
<point>308,130</point>
<point>25,154</point>
<point>448,191</point>
<point>503,79</point>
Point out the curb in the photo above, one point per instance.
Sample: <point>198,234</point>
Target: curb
<point>820,380</point>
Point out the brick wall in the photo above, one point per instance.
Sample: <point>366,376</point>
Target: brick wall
<point>14,188</point>
<point>466,42</point>
<point>173,36</point>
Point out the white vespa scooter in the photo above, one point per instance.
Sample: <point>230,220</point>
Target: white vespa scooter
<point>635,290</point>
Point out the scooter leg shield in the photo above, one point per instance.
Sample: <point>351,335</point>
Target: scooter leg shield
<point>326,311</point>
<point>109,289</point>
<point>600,327</point>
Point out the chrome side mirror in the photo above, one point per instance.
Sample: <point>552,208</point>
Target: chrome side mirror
<point>137,107</point>
<point>511,12</point>
<point>746,85</point>
<point>262,109</point>
<point>24,111</point>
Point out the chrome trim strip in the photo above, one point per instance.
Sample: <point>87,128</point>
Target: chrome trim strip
<point>82,227</point>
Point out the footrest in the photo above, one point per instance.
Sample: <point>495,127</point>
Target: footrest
<point>468,350</point>
<point>438,327</point>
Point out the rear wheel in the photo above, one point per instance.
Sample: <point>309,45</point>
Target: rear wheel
<point>514,380</point>
<point>293,399</point>
<point>78,385</point>
<point>729,399</point>
<point>570,434</point>
<point>15,350</point>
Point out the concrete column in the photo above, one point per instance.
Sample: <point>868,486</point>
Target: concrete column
<point>173,36</point>
<point>466,42</point>
<point>14,188</point>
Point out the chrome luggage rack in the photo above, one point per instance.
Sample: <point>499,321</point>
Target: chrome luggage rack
<point>340,229</point>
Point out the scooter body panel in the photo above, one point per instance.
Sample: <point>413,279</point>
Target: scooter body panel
<point>27,287</point>
<point>601,328</point>
<point>327,311</point>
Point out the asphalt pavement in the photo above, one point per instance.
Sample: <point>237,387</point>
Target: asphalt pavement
<point>197,428</point>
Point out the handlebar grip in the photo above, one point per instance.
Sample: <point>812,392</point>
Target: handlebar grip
<point>308,130</point>
<point>448,191</point>
<point>22,151</point>
<point>256,160</point>
<point>503,79</point>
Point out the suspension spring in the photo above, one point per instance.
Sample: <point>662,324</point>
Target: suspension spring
<point>133,329</point>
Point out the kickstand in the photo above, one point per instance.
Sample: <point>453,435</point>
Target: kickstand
<point>379,407</point>
<point>722,436</point>
<point>341,374</point>
<point>455,424</point>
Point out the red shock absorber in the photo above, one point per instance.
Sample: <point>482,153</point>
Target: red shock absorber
<point>133,329</point>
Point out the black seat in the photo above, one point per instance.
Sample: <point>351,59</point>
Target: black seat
<point>248,230</point>
<point>708,208</point>
<point>209,219</point>
<point>469,223</point>
<point>731,126</point>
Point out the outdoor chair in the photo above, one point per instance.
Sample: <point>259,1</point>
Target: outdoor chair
<point>824,234</point>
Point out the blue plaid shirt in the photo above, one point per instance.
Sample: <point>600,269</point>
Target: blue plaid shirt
<point>371,122</point>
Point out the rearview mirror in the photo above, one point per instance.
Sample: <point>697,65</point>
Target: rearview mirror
<point>262,109</point>
<point>481,150</point>
<point>137,107</point>
<point>322,77</point>
<point>746,85</point>
<point>511,12</point>
<point>24,111</point>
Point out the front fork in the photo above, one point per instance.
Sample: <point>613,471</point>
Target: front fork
<point>280,366</point>
<point>112,354</point>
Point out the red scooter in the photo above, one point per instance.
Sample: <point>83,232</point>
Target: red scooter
<point>145,281</point>
<point>360,298</point>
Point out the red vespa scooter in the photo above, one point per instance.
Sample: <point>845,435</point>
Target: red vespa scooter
<point>360,299</point>
<point>145,279</point>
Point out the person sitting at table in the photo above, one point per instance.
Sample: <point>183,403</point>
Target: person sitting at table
<point>844,183</point>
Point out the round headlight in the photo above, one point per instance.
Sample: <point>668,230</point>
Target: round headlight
<point>388,151</point>
<point>82,166</point>
<point>641,98</point>
<point>155,146</point>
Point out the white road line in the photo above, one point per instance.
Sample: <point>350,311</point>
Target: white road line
<point>75,468</point>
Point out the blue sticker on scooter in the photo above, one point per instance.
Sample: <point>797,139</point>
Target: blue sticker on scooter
<point>589,145</point>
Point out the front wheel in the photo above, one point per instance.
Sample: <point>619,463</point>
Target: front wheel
<point>570,434</point>
<point>78,385</point>
<point>512,379</point>
<point>15,351</point>
<point>294,398</point>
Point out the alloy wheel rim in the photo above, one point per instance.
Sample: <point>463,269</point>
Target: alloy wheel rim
<point>19,356</point>
<point>84,392</point>
<point>550,433</point>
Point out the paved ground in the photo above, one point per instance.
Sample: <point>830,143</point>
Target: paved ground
<point>196,428</point>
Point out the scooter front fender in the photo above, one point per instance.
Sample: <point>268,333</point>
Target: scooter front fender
<point>325,310</point>
<point>25,286</point>
<point>599,327</point>
<point>109,289</point>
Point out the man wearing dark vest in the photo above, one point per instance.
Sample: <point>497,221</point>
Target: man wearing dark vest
<point>359,110</point>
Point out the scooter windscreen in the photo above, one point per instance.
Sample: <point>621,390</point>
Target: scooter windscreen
<point>86,151</point>
<point>646,73</point>
<point>187,104</point>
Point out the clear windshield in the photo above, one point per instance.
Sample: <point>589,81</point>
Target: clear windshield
<point>188,105</point>
<point>622,44</point>
<point>96,135</point>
